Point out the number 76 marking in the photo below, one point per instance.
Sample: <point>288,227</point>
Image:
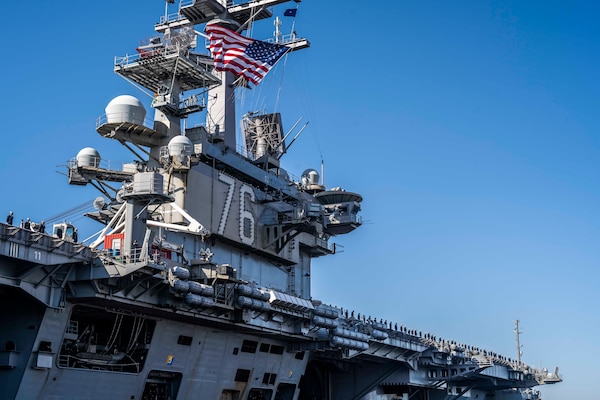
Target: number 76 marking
<point>246,216</point>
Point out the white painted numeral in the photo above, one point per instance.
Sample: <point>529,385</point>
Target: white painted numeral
<point>245,215</point>
<point>225,214</point>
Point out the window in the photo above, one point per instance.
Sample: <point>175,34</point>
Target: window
<point>242,375</point>
<point>269,379</point>
<point>260,394</point>
<point>276,349</point>
<point>249,346</point>
<point>285,391</point>
<point>264,347</point>
<point>184,340</point>
<point>45,346</point>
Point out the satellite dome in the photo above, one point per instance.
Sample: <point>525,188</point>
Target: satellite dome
<point>180,145</point>
<point>125,108</point>
<point>88,157</point>
<point>310,177</point>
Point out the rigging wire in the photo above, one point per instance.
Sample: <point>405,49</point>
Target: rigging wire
<point>138,325</point>
<point>78,209</point>
<point>300,78</point>
<point>114,333</point>
<point>278,96</point>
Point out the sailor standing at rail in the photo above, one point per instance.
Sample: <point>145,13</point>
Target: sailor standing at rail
<point>9,218</point>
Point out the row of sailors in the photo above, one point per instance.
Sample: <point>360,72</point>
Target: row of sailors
<point>442,344</point>
<point>27,224</point>
<point>383,324</point>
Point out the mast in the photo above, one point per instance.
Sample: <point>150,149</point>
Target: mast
<point>517,333</point>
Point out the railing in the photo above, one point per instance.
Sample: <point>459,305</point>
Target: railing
<point>121,61</point>
<point>173,17</point>
<point>71,361</point>
<point>97,162</point>
<point>198,60</point>
<point>186,3</point>
<point>39,240</point>
<point>283,39</point>
<point>125,257</point>
<point>324,244</point>
<point>124,117</point>
<point>249,155</point>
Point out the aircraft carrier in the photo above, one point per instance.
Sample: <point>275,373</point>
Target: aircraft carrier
<point>198,283</point>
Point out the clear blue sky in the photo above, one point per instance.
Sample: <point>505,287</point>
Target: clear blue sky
<point>470,128</point>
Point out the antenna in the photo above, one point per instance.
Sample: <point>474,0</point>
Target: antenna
<point>296,137</point>
<point>517,333</point>
<point>277,32</point>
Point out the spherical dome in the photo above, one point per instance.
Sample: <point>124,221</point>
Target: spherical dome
<point>125,108</point>
<point>310,177</point>
<point>180,145</point>
<point>88,157</point>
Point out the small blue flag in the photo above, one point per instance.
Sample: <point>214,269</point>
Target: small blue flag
<point>290,12</point>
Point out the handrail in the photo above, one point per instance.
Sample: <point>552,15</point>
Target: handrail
<point>98,163</point>
<point>173,16</point>
<point>124,116</point>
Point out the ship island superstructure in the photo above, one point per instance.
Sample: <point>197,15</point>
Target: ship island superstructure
<point>198,284</point>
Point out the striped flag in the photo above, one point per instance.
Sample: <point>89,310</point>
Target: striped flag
<point>243,56</point>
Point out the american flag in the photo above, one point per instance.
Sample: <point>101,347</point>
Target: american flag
<point>243,56</point>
